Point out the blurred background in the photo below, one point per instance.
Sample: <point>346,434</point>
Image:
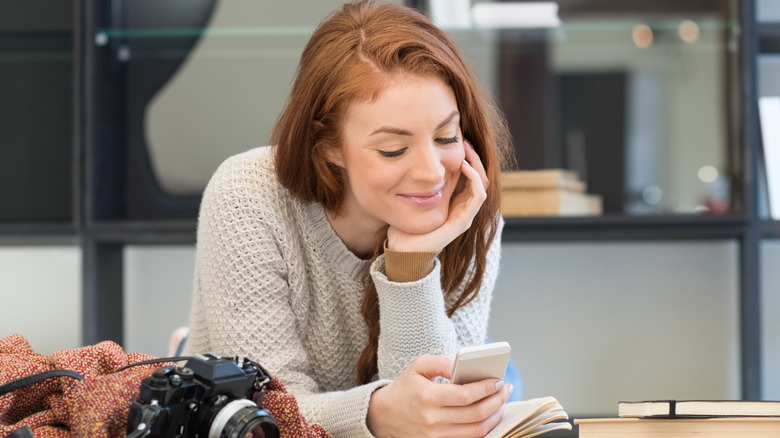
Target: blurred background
<point>113,116</point>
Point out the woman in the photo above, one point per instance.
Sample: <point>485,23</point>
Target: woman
<point>378,199</point>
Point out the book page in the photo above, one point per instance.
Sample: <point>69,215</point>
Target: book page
<point>544,428</point>
<point>538,423</point>
<point>521,418</point>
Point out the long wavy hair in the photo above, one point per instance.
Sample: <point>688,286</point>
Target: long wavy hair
<point>350,57</point>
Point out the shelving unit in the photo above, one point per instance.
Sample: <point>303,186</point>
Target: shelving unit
<point>99,224</point>
<point>769,41</point>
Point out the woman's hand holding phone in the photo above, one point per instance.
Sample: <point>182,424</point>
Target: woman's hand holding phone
<point>415,405</point>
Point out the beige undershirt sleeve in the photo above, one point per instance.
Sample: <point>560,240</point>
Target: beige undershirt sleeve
<point>405,267</point>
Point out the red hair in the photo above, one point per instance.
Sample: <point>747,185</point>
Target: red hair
<point>350,57</point>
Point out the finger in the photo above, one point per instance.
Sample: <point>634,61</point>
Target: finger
<point>465,205</point>
<point>461,185</point>
<point>480,428</point>
<point>470,393</point>
<point>430,366</point>
<point>473,159</point>
<point>476,181</point>
<point>485,414</point>
<point>480,410</point>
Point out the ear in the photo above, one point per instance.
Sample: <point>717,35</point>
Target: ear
<point>332,153</point>
<point>335,155</point>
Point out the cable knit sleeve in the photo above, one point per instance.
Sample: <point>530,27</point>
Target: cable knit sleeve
<point>413,317</point>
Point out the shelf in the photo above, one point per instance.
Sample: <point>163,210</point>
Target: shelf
<point>169,232</point>
<point>516,229</point>
<point>769,38</point>
<point>770,229</point>
<point>617,228</point>
<point>43,233</point>
<point>104,35</point>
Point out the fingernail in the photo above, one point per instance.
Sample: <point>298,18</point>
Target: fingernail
<point>468,144</point>
<point>466,163</point>
<point>500,384</point>
<point>511,388</point>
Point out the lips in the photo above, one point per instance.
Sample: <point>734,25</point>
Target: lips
<point>424,199</point>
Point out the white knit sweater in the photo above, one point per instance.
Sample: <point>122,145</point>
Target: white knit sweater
<point>273,282</point>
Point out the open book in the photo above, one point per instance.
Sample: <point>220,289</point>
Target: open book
<point>529,418</point>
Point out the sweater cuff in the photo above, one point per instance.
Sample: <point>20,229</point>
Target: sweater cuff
<point>405,267</point>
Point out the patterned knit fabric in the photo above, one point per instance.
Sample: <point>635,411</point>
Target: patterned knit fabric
<point>288,417</point>
<point>63,406</point>
<point>273,282</point>
<point>98,406</point>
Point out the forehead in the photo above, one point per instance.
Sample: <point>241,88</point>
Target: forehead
<point>403,96</point>
<point>383,84</point>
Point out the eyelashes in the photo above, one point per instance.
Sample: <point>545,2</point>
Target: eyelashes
<point>448,140</point>
<point>392,154</point>
<point>399,152</point>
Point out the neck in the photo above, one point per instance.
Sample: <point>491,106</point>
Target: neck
<point>358,236</point>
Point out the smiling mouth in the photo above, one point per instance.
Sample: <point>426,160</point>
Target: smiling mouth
<point>424,199</point>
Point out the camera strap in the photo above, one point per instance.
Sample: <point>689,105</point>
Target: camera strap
<point>32,379</point>
<point>157,360</point>
<point>45,375</point>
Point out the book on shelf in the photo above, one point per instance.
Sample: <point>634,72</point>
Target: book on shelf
<point>550,202</point>
<point>543,179</point>
<point>698,408</point>
<point>530,418</point>
<point>721,427</point>
<point>769,115</point>
<point>546,192</point>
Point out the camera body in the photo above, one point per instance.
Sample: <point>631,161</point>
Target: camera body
<point>209,397</point>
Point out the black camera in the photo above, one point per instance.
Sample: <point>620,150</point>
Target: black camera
<point>209,397</point>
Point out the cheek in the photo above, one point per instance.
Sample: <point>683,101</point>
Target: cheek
<point>453,160</point>
<point>375,179</point>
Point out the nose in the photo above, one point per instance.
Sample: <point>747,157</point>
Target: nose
<point>428,165</point>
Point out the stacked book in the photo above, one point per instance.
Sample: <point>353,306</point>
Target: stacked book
<point>546,192</point>
<point>687,419</point>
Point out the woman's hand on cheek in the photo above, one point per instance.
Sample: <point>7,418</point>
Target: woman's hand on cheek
<point>467,198</point>
<point>415,405</point>
<point>466,201</point>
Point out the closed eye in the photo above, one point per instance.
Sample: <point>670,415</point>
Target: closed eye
<point>392,154</point>
<point>447,140</point>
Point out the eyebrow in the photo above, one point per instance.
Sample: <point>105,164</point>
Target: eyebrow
<point>399,131</point>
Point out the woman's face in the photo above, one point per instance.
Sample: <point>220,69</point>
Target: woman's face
<point>401,155</point>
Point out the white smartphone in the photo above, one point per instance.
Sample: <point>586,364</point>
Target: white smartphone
<point>481,362</point>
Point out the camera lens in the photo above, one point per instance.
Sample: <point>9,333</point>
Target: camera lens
<point>243,419</point>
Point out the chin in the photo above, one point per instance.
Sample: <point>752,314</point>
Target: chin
<point>423,225</point>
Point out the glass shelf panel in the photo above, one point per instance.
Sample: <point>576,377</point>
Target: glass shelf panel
<point>36,112</point>
<point>642,104</point>
<point>643,100</point>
